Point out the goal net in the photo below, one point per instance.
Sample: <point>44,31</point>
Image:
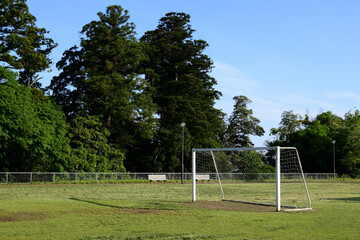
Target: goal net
<point>270,176</point>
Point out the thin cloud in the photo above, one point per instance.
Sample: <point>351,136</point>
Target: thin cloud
<point>344,95</point>
<point>232,79</point>
<point>297,100</point>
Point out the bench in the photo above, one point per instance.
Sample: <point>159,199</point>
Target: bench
<point>157,177</point>
<point>203,177</point>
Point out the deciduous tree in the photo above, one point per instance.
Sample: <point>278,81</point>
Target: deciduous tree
<point>33,131</point>
<point>350,155</point>
<point>90,150</point>
<point>315,142</point>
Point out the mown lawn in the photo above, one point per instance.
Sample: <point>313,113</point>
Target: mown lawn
<point>165,211</point>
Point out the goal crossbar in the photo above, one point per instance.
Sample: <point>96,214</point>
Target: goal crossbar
<point>232,149</point>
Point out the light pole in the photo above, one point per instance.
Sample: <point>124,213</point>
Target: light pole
<point>333,142</point>
<point>182,152</point>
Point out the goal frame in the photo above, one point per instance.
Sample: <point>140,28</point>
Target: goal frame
<point>277,166</point>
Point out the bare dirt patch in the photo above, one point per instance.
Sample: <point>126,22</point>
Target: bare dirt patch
<point>21,216</point>
<point>232,206</point>
<point>145,211</point>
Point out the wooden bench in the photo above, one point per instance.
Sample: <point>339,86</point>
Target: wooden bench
<point>203,177</point>
<point>157,177</point>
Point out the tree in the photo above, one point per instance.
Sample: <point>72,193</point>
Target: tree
<point>350,155</point>
<point>313,139</point>
<point>350,163</point>
<point>23,46</point>
<point>289,124</point>
<point>33,131</point>
<point>90,150</point>
<point>184,91</point>
<point>314,142</point>
<point>315,145</point>
<point>102,78</point>
<point>251,162</point>
<point>242,124</point>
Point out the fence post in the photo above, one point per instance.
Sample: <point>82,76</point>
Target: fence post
<point>31,177</point>
<point>7,178</point>
<point>53,177</point>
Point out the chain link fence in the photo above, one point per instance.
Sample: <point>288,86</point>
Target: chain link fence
<point>58,177</point>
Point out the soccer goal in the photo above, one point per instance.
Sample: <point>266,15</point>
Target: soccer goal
<point>269,176</point>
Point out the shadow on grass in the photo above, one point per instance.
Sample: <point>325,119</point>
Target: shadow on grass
<point>155,207</point>
<point>352,199</point>
<point>96,203</point>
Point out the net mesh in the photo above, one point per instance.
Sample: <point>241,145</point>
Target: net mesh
<point>250,176</point>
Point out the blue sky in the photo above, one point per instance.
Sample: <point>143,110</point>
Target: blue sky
<point>283,55</point>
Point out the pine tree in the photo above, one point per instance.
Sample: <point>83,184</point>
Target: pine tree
<point>184,91</point>
<point>242,124</point>
<point>23,46</point>
<point>101,78</point>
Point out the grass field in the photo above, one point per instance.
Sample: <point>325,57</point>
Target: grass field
<point>165,211</point>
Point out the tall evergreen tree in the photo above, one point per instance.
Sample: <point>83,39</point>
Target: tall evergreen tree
<point>23,46</point>
<point>184,90</point>
<point>242,124</point>
<point>101,78</point>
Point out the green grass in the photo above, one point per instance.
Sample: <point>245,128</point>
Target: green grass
<point>164,211</point>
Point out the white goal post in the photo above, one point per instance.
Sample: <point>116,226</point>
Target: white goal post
<point>270,176</point>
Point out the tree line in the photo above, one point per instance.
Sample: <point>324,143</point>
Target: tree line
<point>321,140</point>
<point>118,101</point>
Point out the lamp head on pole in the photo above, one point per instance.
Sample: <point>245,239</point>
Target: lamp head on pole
<point>333,142</point>
<point>182,124</point>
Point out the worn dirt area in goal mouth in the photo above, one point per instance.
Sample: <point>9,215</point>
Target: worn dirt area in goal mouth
<point>232,206</point>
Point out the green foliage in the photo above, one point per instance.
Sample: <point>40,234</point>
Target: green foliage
<point>242,124</point>
<point>102,78</point>
<point>290,123</point>
<point>184,90</point>
<point>23,46</point>
<point>90,150</point>
<point>125,100</point>
<point>250,162</point>
<point>315,141</point>
<point>7,75</point>
<point>351,160</point>
<point>32,129</point>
